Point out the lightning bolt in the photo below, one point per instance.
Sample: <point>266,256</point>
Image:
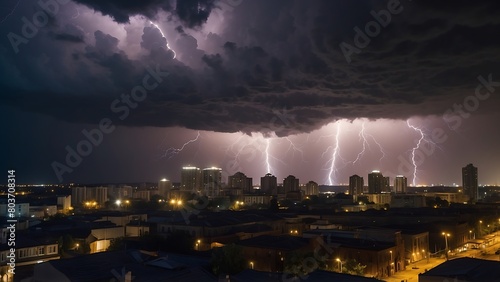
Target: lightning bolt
<point>362,136</point>
<point>268,144</point>
<point>379,147</point>
<point>162,34</point>
<point>170,152</point>
<point>417,146</point>
<point>335,153</point>
<point>294,147</point>
<point>11,12</point>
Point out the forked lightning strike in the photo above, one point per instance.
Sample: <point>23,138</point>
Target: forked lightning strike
<point>419,142</point>
<point>170,152</point>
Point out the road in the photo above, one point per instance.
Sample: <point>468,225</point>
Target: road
<point>412,270</point>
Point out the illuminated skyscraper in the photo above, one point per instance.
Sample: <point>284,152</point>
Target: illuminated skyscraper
<point>356,184</point>
<point>311,189</point>
<point>376,182</point>
<point>212,181</point>
<point>269,184</point>
<point>164,187</point>
<point>191,179</point>
<point>469,182</point>
<point>400,184</point>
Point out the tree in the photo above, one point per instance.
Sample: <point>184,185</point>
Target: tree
<point>351,266</point>
<point>116,244</point>
<point>302,263</point>
<point>227,260</point>
<point>67,243</point>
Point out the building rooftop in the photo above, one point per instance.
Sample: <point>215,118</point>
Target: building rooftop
<point>107,266</point>
<point>250,275</point>
<point>284,243</point>
<point>464,269</point>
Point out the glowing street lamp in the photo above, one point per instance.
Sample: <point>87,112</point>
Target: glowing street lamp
<point>340,264</point>
<point>446,235</point>
<point>251,264</point>
<point>480,228</point>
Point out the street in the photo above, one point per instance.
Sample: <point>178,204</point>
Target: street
<point>412,270</point>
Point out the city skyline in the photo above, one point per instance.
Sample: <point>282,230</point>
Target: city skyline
<point>321,90</point>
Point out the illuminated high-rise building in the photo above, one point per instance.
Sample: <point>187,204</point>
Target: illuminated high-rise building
<point>387,184</point>
<point>164,187</point>
<point>191,179</point>
<point>470,182</point>
<point>311,189</point>
<point>376,182</point>
<point>269,184</point>
<point>240,181</point>
<point>211,181</point>
<point>400,184</point>
<point>356,184</point>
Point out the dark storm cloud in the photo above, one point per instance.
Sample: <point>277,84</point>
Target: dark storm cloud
<point>193,13</point>
<point>272,58</point>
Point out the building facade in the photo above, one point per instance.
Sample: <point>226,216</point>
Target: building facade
<point>400,184</point>
<point>269,184</point>
<point>356,184</point>
<point>469,182</point>
<point>376,182</point>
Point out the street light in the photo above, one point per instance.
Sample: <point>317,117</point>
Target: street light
<point>251,264</point>
<point>340,263</point>
<point>446,235</point>
<point>392,263</point>
<point>480,228</point>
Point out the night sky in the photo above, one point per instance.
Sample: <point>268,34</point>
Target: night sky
<point>318,89</point>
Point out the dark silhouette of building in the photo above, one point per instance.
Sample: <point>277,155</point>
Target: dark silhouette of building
<point>469,182</point>
<point>240,181</point>
<point>376,182</point>
<point>400,184</point>
<point>269,184</point>
<point>356,184</point>
<point>290,183</point>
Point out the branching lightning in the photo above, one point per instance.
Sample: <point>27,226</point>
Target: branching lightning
<point>162,34</point>
<point>170,152</point>
<point>335,153</point>
<point>363,136</point>
<point>294,147</point>
<point>419,142</point>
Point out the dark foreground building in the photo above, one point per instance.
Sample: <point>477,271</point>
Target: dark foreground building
<point>463,270</point>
